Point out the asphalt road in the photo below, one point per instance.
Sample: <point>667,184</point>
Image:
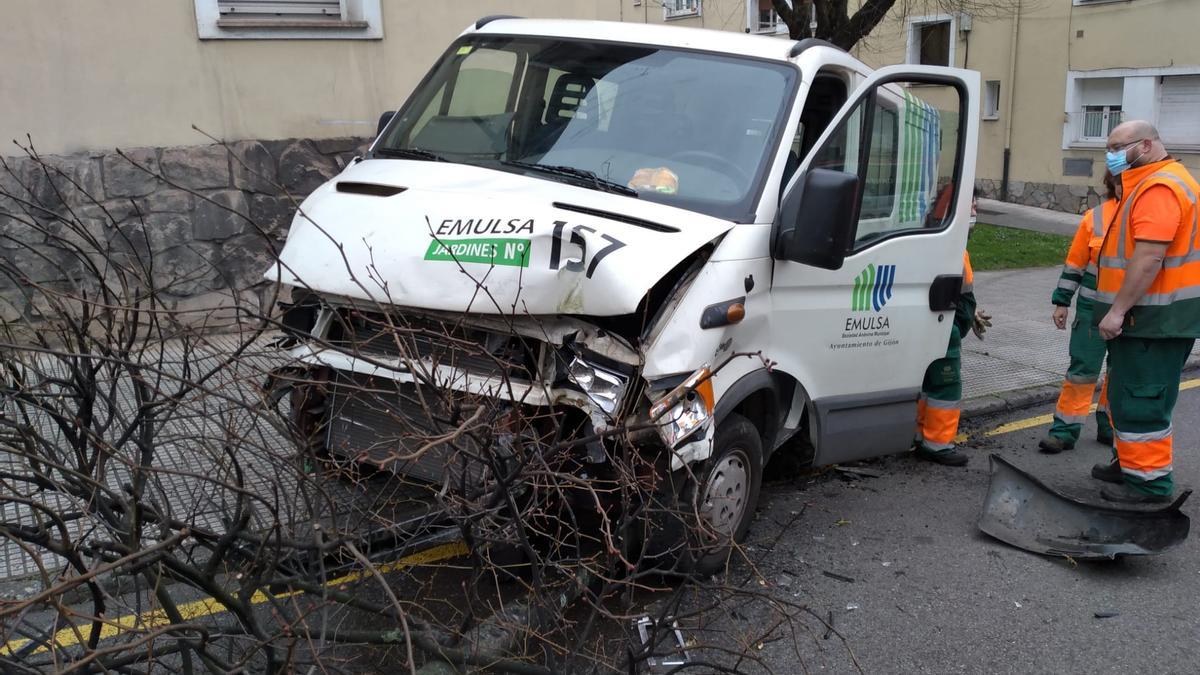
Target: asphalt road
<point>911,585</point>
<point>931,594</point>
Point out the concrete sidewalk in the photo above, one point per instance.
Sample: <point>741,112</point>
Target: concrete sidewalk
<point>1023,357</point>
<point>1028,217</point>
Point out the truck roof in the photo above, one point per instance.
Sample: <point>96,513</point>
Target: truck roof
<point>759,46</point>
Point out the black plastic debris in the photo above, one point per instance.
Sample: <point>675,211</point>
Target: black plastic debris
<point>857,472</point>
<point>838,577</point>
<point>1022,511</point>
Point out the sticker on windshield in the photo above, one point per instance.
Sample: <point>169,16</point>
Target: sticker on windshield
<point>510,252</point>
<point>465,49</point>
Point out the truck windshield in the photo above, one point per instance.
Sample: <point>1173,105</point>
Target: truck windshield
<point>690,129</point>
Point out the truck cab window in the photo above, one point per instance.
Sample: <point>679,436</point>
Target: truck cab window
<point>825,97</point>
<point>909,144</point>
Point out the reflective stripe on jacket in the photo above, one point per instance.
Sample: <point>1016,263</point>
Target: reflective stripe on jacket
<point>1080,268</point>
<point>1171,306</point>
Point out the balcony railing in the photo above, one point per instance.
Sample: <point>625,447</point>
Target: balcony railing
<point>1098,124</point>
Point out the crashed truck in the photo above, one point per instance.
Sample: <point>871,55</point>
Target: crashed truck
<point>734,241</point>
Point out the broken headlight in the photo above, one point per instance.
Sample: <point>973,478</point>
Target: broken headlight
<point>605,388</point>
<point>685,410</point>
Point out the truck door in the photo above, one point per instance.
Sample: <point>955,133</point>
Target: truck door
<point>859,338</point>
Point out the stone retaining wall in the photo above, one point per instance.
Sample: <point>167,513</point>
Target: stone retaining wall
<point>1066,198</point>
<point>206,231</point>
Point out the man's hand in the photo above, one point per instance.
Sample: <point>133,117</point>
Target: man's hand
<point>1110,325</point>
<point>982,322</point>
<point>1060,317</point>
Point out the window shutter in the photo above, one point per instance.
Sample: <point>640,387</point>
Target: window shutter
<point>289,9</point>
<point>1178,121</point>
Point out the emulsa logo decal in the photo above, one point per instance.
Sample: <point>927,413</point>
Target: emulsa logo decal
<point>867,327</point>
<point>873,288</point>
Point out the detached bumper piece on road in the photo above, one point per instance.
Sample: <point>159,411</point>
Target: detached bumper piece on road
<point>1022,511</point>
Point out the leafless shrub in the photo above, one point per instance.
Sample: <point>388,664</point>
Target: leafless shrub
<point>183,492</point>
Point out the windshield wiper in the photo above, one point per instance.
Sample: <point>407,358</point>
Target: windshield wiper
<point>411,153</point>
<point>596,182</point>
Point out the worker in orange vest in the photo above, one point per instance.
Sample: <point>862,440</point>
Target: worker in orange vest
<point>1086,347</point>
<point>1148,305</point>
<point>940,405</point>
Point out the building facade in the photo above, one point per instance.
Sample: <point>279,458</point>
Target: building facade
<point>1057,76</point>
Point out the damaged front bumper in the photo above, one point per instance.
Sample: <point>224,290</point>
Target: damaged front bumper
<point>1023,511</point>
<point>532,362</point>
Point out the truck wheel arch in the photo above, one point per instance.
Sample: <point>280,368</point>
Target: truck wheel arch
<point>763,397</point>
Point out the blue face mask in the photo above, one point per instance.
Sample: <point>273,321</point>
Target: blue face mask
<point>1118,160</point>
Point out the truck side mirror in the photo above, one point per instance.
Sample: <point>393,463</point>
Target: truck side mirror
<point>383,121</point>
<point>816,221</point>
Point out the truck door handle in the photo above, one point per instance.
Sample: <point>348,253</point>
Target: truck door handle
<point>944,292</point>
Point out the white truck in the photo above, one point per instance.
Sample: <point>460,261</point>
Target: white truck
<point>607,212</point>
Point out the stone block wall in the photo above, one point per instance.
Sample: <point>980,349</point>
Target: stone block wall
<point>213,217</point>
<point>1067,198</point>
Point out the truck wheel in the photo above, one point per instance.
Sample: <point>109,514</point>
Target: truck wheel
<point>720,496</point>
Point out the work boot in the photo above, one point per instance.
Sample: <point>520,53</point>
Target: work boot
<point>1127,495</point>
<point>945,458</point>
<point>1104,437</point>
<point>1109,472</point>
<point>1052,445</point>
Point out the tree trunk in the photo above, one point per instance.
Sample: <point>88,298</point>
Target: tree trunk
<point>834,22</point>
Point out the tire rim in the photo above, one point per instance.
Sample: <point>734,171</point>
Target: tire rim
<point>725,495</point>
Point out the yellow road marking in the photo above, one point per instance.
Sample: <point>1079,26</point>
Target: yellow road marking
<point>68,637</point>
<point>1040,420</point>
<point>1027,423</point>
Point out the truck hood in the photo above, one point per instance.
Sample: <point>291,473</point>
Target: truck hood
<point>467,239</point>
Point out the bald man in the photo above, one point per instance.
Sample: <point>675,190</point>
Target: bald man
<point>1148,306</point>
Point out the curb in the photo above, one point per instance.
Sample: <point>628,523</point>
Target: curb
<point>1017,399</point>
<point>1006,401</point>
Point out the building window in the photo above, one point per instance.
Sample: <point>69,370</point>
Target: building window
<point>1099,121</point>
<point>763,18</point>
<point>991,100</point>
<point>1167,97</point>
<point>931,41</point>
<point>289,19</point>
<point>1100,100</point>
<point>1179,99</point>
<point>679,9</point>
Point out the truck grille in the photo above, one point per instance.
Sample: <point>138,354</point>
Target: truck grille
<point>384,422</point>
<point>438,343</point>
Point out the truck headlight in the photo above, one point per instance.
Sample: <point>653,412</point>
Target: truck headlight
<point>605,388</point>
<point>685,409</point>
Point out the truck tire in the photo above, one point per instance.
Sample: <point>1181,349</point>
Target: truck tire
<point>716,500</point>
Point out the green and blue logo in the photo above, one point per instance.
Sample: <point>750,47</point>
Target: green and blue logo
<point>873,288</point>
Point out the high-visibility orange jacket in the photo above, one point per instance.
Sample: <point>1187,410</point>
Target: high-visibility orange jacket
<point>1171,306</point>
<point>1082,264</point>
